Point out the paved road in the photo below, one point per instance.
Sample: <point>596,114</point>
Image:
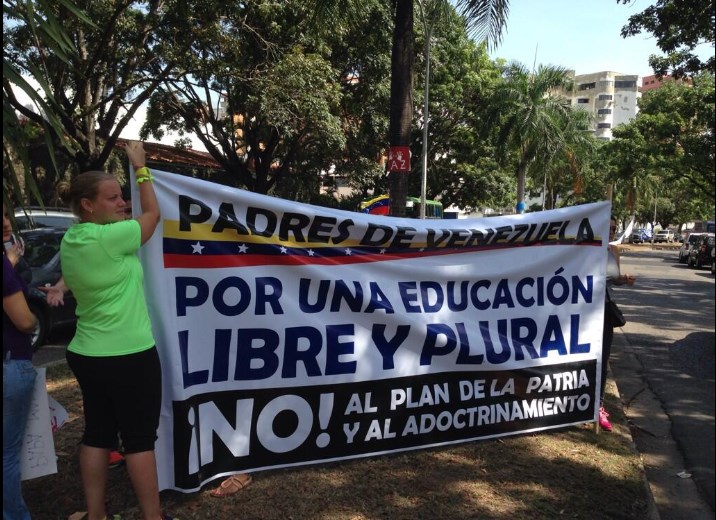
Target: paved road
<point>663,364</point>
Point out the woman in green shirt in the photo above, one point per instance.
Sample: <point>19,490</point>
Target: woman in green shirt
<point>112,353</point>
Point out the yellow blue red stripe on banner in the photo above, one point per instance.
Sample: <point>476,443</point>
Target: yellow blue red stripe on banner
<point>203,248</point>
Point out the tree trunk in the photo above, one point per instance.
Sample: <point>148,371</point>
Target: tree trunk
<point>401,98</point>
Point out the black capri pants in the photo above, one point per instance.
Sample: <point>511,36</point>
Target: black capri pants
<point>121,395</point>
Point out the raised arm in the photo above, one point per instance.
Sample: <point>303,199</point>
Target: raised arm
<point>149,217</point>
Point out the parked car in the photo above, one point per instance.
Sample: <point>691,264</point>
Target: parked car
<point>664,235</point>
<point>685,249</point>
<point>42,260</point>
<point>34,217</point>
<point>702,252</point>
<point>639,236</point>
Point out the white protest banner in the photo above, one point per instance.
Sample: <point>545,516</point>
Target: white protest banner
<point>293,334</point>
<point>37,457</point>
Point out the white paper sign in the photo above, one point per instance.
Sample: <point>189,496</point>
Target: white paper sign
<point>37,458</point>
<point>58,414</point>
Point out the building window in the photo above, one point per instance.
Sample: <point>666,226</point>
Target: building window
<point>605,83</point>
<point>625,84</point>
<point>582,100</point>
<point>605,97</point>
<point>587,86</point>
<point>604,111</point>
<point>604,125</point>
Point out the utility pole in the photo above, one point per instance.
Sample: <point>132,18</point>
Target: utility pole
<point>653,227</point>
<point>426,117</point>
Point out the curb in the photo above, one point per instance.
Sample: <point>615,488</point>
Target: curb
<point>650,247</point>
<point>652,512</point>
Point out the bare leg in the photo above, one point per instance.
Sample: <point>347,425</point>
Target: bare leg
<point>93,467</point>
<point>142,468</point>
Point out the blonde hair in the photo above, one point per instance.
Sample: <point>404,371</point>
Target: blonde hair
<point>84,186</point>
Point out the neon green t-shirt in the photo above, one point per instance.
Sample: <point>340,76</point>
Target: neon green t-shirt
<point>101,268</point>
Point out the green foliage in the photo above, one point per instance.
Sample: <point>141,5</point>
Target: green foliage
<point>485,19</point>
<point>92,88</point>
<point>49,33</point>
<point>299,99</point>
<point>668,151</point>
<point>679,26</point>
<point>530,119</point>
<point>289,105</point>
<point>362,57</point>
<point>461,168</point>
<point>569,169</point>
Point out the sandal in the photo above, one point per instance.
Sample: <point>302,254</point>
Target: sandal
<point>232,485</point>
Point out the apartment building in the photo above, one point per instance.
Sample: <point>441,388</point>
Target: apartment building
<point>611,97</point>
<point>653,82</point>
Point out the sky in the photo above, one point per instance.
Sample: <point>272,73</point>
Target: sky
<point>581,35</point>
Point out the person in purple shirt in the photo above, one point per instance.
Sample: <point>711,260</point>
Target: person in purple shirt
<point>18,379</point>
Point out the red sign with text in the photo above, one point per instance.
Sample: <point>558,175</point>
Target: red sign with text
<point>399,159</point>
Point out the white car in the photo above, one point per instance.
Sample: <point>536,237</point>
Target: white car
<point>664,235</point>
<point>36,217</point>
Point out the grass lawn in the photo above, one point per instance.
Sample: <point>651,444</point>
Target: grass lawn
<point>566,473</point>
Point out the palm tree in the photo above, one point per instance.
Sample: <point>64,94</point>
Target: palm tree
<point>564,171</point>
<point>401,97</point>
<point>485,20</point>
<point>529,116</point>
<point>49,32</point>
